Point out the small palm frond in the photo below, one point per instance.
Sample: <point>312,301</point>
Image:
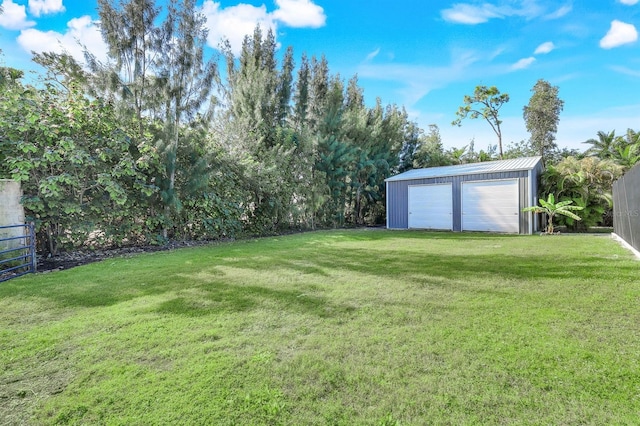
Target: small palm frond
<point>548,203</point>
<point>534,209</point>
<point>570,214</point>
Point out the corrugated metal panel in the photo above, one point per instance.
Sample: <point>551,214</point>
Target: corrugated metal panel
<point>522,203</point>
<point>626,207</point>
<point>457,203</point>
<point>516,164</point>
<point>397,213</point>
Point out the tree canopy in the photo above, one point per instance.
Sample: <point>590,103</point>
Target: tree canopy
<point>541,117</point>
<point>485,103</point>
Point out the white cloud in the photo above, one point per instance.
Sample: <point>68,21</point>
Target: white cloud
<point>620,33</point>
<point>299,14</point>
<point>373,54</point>
<point>469,14</point>
<point>417,81</point>
<point>626,71</point>
<point>43,7</point>
<point>497,52</point>
<point>564,10</point>
<point>14,16</point>
<point>628,2</point>
<point>235,22</point>
<point>82,30</point>
<point>523,63</point>
<point>472,14</point>
<point>544,48</point>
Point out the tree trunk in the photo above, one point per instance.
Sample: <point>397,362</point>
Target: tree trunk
<point>357,205</point>
<point>52,239</point>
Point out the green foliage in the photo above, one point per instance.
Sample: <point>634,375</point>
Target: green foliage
<point>301,95</point>
<point>129,29</point>
<point>62,68</point>
<point>208,206</point>
<point>186,83</point>
<point>519,149</point>
<point>321,162</point>
<point>625,151</point>
<point>429,151</point>
<point>587,182</point>
<point>628,155</point>
<point>473,156</point>
<point>604,146</point>
<point>551,209</point>
<point>79,170</point>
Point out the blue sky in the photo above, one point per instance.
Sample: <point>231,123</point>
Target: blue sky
<point>423,55</point>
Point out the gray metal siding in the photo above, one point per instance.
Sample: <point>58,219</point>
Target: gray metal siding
<point>397,205</point>
<point>533,197</point>
<point>626,207</point>
<point>398,193</point>
<point>524,194</point>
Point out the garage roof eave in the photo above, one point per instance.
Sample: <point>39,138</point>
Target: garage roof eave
<point>499,166</point>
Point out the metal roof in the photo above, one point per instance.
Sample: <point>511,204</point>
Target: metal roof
<point>515,164</point>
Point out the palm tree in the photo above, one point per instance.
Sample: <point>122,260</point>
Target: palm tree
<point>627,152</point>
<point>605,146</point>
<point>551,208</point>
<point>628,155</point>
<point>457,154</point>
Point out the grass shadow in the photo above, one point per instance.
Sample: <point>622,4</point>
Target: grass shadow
<point>215,298</point>
<point>449,266</point>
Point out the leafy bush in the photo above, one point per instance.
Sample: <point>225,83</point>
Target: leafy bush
<point>585,182</point>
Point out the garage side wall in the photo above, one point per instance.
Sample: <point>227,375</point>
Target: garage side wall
<point>536,173</point>
<point>398,196</point>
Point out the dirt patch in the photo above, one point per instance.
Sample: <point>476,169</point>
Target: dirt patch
<point>71,259</point>
<point>23,391</point>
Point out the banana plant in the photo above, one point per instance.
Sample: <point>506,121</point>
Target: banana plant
<point>551,209</point>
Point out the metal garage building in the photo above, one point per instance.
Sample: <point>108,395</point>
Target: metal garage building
<point>486,196</point>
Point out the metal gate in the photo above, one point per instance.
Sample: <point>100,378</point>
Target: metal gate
<point>17,250</point>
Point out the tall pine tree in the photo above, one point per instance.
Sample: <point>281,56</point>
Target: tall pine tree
<point>184,81</point>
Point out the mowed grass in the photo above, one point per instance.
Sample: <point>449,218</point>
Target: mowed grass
<point>341,327</point>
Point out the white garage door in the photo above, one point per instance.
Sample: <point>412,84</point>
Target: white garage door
<point>431,206</point>
<point>491,206</point>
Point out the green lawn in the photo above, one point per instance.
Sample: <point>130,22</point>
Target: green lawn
<point>344,327</point>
